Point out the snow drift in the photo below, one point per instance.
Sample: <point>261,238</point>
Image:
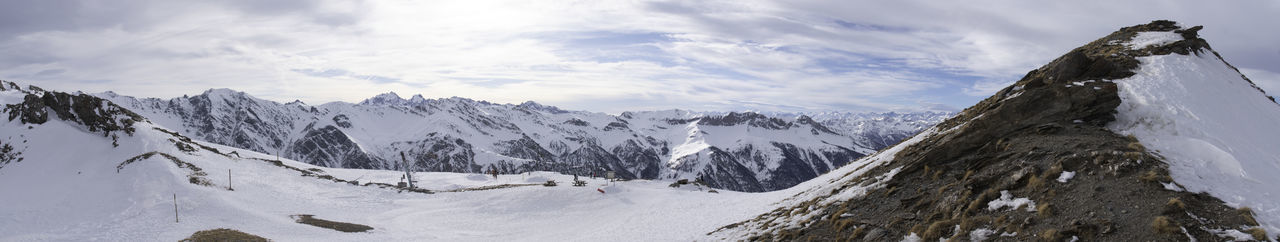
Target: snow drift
<point>1219,133</point>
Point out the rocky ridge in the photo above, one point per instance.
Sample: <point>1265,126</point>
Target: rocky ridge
<point>1041,147</point>
<point>735,151</point>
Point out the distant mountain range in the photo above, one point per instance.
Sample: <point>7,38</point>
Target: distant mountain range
<point>737,151</point>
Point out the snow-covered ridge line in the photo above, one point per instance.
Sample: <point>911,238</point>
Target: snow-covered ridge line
<point>736,151</point>
<point>1033,150</point>
<point>1215,129</point>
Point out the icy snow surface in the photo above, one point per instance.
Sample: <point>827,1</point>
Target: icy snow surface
<point>1144,39</point>
<point>1235,235</point>
<point>912,238</point>
<point>1218,133</point>
<point>11,97</point>
<point>1007,200</point>
<point>1066,176</point>
<point>981,234</point>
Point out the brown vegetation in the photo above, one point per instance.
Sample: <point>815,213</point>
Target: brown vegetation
<point>222,235</point>
<point>334,225</point>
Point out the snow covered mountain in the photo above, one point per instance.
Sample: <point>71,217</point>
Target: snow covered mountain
<point>1145,134</point>
<point>75,167</point>
<point>736,151</point>
<point>877,129</point>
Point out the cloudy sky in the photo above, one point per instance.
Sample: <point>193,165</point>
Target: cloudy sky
<point>606,56</point>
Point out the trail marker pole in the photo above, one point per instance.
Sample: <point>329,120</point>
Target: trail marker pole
<point>229,180</point>
<point>175,208</point>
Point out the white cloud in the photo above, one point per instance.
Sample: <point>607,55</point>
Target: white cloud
<point>596,55</point>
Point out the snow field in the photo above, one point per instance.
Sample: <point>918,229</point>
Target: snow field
<point>71,192</point>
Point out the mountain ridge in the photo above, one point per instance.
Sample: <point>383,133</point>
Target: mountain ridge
<point>1047,159</point>
<point>736,151</point>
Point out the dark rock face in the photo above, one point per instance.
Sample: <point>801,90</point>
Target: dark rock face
<point>439,153</point>
<point>95,114</point>
<point>577,122</point>
<point>753,119</point>
<point>525,148</point>
<point>342,121</point>
<point>797,166</point>
<point>643,162</point>
<point>90,113</point>
<point>598,159</point>
<point>536,106</point>
<point>31,110</point>
<point>330,144</point>
<point>818,127</point>
<point>235,120</point>
<point>8,154</point>
<point>729,173</point>
<point>616,126</point>
<point>1017,142</point>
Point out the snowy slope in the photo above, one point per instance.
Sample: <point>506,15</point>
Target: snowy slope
<point>738,151</point>
<point>1217,131</point>
<point>74,185</point>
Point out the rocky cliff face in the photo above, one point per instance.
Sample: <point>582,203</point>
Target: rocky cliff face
<point>95,114</point>
<point>37,106</point>
<point>1035,161</point>
<point>737,151</point>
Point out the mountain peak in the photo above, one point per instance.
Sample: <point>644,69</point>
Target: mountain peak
<point>545,108</point>
<point>417,98</point>
<point>389,98</point>
<point>388,95</point>
<point>220,91</point>
<point>1028,141</point>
